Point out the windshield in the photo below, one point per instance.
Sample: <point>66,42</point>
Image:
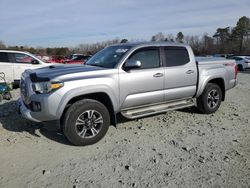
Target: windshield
<point>108,57</point>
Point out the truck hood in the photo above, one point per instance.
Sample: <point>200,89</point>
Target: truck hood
<point>54,71</point>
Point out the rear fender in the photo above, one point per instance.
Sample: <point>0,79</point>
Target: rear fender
<point>205,81</point>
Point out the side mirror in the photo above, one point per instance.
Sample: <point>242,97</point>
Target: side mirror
<point>132,64</point>
<point>34,62</point>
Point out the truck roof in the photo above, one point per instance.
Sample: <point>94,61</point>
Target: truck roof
<point>145,44</point>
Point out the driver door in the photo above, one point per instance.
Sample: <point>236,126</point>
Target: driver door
<point>144,85</point>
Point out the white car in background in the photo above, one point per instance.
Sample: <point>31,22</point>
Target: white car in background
<point>243,62</point>
<point>14,63</point>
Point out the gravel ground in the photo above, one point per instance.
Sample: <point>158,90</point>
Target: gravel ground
<point>177,149</point>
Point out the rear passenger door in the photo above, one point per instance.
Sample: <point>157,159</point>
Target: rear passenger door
<point>7,67</point>
<point>180,73</point>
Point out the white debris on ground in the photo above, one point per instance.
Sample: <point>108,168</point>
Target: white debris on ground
<point>177,149</point>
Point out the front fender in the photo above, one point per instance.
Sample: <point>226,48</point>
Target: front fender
<point>69,94</point>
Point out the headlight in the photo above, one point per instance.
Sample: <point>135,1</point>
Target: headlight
<point>46,87</point>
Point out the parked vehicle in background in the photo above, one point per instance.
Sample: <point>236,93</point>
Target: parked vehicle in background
<point>134,79</point>
<point>223,55</point>
<point>73,56</point>
<point>44,58</point>
<point>243,62</point>
<point>14,63</point>
<point>79,59</point>
<point>56,59</point>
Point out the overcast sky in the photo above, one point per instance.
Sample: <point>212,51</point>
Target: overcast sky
<point>68,23</point>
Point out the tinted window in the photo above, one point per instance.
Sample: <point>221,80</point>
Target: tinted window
<point>4,57</point>
<point>23,58</point>
<point>149,58</point>
<point>176,56</point>
<point>236,58</point>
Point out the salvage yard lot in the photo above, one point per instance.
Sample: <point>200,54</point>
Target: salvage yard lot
<point>181,148</point>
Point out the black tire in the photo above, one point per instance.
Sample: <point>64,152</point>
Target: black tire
<point>205,102</point>
<point>1,97</point>
<point>79,113</point>
<point>240,67</point>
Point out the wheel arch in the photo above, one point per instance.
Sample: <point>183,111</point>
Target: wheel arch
<point>102,97</point>
<point>221,83</point>
<point>216,80</point>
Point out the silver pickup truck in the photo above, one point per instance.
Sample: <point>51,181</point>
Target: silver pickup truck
<point>133,79</point>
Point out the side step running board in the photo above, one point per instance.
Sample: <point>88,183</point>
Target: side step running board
<point>155,109</point>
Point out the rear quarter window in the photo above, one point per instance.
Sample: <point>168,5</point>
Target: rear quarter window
<point>176,56</point>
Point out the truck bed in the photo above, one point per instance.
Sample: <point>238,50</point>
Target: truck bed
<point>213,60</point>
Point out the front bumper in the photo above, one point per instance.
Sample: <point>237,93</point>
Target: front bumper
<point>24,111</point>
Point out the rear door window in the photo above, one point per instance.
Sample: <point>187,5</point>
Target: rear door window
<point>176,56</point>
<point>4,57</point>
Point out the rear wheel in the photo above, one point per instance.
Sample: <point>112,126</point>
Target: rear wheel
<point>210,99</point>
<point>86,122</point>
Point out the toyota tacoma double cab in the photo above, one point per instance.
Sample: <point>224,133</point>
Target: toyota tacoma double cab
<point>131,79</point>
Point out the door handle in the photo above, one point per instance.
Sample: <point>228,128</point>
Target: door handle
<point>158,75</point>
<point>190,72</point>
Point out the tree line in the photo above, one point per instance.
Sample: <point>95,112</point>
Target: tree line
<point>226,40</point>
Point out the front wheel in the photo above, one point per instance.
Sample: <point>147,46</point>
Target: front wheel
<point>86,122</point>
<point>210,99</point>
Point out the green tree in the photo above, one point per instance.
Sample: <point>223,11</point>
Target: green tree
<point>180,37</point>
<point>62,51</point>
<point>241,32</point>
<point>124,40</point>
<point>153,38</point>
<point>32,50</point>
<point>158,37</point>
<point>207,45</point>
<point>222,35</point>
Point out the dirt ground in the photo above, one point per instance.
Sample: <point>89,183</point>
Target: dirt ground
<point>177,149</point>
